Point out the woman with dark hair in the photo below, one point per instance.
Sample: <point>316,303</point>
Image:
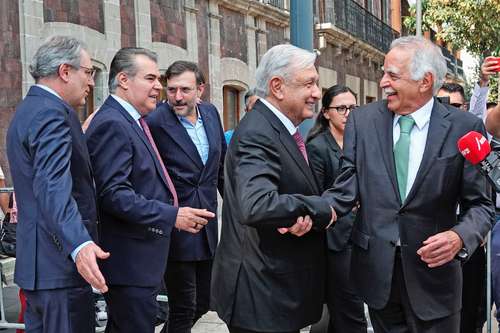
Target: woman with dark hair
<point>324,149</point>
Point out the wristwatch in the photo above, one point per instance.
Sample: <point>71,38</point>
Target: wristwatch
<point>463,255</point>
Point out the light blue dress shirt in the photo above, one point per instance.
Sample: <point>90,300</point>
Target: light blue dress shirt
<point>198,135</point>
<point>130,109</point>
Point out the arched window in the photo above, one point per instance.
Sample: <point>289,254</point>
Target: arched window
<point>231,106</point>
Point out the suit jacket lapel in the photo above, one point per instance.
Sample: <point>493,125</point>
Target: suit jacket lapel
<point>384,128</point>
<point>438,131</point>
<point>139,131</point>
<point>178,133</point>
<point>289,143</point>
<point>333,145</point>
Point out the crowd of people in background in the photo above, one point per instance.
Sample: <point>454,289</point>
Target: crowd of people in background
<point>375,206</point>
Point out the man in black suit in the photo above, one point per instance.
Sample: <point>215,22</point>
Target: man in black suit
<point>191,143</point>
<point>402,164</point>
<point>56,255</point>
<point>265,277</point>
<point>138,202</point>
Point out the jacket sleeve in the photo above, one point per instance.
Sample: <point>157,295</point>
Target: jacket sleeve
<point>257,176</point>
<point>111,153</point>
<point>49,143</point>
<point>344,193</point>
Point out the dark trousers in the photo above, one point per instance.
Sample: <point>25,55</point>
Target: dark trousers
<point>188,287</point>
<point>473,314</point>
<point>495,266</point>
<point>131,309</point>
<point>65,310</point>
<point>346,309</point>
<point>233,329</point>
<point>398,317</point>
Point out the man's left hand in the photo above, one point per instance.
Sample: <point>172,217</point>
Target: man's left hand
<point>440,248</point>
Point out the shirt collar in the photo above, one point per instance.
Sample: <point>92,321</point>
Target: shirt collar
<point>128,107</point>
<point>422,116</point>
<point>52,91</point>
<point>284,119</point>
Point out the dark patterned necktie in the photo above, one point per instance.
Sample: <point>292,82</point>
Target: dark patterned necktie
<point>300,143</point>
<point>170,184</point>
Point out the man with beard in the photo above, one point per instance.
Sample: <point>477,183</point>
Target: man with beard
<point>192,146</point>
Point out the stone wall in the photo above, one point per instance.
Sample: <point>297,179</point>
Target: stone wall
<point>233,35</point>
<point>10,67</point>
<point>89,13</point>
<point>127,20</point>
<point>168,22</point>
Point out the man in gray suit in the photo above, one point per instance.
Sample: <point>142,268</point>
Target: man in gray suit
<point>401,162</point>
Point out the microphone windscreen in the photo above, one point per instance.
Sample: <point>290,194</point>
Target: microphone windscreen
<point>474,147</point>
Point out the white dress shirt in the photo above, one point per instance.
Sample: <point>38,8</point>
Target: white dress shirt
<point>418,138</point>
<point>284,119</point>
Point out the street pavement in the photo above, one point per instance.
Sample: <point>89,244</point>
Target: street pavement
<point>210,323</point>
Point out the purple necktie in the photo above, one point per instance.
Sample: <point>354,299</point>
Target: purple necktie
<point>170,184</point>
<point>300,143</point>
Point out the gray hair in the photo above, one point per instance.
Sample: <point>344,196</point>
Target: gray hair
<point>54,52</point>
<point>124,61</point>
<point>281,60</point>
<point>426,58</point>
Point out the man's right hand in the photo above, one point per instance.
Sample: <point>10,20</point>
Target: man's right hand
<point>86,263</point>
<point>192,219</point>
<point>489,67</point>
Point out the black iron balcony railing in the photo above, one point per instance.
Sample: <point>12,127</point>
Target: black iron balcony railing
<point>356,20</point>
<point>281,4</point>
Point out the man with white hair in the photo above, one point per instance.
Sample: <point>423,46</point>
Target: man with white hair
<point>269,268</point>
<point>402,164</point>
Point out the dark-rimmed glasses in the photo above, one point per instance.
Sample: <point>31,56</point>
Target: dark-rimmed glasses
<point>342,109</point>
<point>89,71</point>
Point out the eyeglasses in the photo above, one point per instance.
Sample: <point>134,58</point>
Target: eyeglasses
<point>184,90</point>
<point>89,71</point>
<point>342,109</point>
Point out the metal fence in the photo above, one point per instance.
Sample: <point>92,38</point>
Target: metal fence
<point>356,20</point>
<point>281,4</point>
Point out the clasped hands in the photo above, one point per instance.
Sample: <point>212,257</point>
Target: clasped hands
<point>304,224</point>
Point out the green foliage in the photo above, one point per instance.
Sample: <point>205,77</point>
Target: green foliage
<point>473,25</point>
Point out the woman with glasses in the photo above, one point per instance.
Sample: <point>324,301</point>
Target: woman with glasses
<point>324,149</point>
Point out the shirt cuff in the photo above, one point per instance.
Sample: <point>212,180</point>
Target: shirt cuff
<point>75,251</point>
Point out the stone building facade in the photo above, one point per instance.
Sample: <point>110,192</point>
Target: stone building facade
<point>225,37</point>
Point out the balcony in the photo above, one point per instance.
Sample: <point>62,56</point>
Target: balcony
<point>281,4</point>
<point>360,23</point>
<point>455,66</point>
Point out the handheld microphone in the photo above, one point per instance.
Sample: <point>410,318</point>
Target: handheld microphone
<point>476,149</point>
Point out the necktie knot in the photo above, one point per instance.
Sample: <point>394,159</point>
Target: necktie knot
<point>406,124</point>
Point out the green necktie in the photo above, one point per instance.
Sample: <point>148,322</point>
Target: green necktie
<point>402,153</point>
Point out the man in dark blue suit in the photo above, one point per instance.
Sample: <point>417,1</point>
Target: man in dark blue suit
<point>137,200</point>
<point>191,143</point>
<point>53,180</point>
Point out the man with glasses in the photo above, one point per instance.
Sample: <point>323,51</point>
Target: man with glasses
<point>192,146</point>
<point>56,255</point>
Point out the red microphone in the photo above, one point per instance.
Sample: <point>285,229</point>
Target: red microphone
<point>474,147</point>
